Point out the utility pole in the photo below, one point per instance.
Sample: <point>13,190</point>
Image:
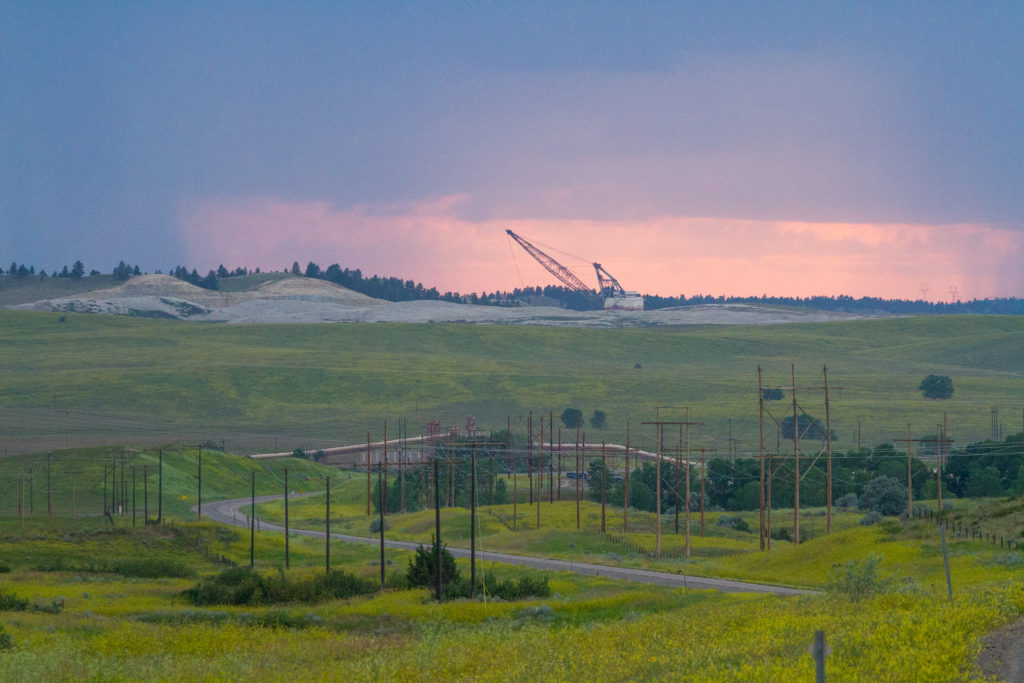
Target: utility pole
<point>703,491</point>
<point>796,465</point>
<point>529,453</point>
<point>659,432</point>
<point>199,508</point>
<point>472,522</point>
<point>583,468</point>
<point>287,556</point>
<point>327,525</point>
<point>540,470</point>
<point>437,526</point>
<point>578,474</point>
<point>760,406</point>
<point>515,467</point>
<point>368,474</point>
<point>133,494</point>
<point>828,442</point>
<point>384,470</point>
<point>625,504</point>
<point>145,492</point>
<point>910,481</point>
<point>49,491</point>
<point>252,522</point>
<point>381,487</point>
<point>604,477</point>
<point>551,456</point>
<point>559,463</point>
<point>74,475</point>
<point>403,428</point>
<point>160,494</point>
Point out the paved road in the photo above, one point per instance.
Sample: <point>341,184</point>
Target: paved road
<point>227,512</point>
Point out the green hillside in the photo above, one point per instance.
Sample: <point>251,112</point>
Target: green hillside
<point>91,380</point>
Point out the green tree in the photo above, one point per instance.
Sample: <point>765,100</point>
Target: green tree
<point>640,494</point>
<point>936,387</point>
<point>807,427</point>
<point>572,418</point>
<point>884,495</point>
<point>772,394</point>
<point>422,569</point>
<point>984,482</point>
<point>77,270</point>
<point>598,420</point>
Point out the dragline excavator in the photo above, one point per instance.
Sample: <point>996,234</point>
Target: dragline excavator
<point>615,297</point>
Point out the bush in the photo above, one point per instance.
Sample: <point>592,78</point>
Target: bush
<point>5,640</point>
<point>856,580</point>
<point>733,522</point>
<point>239,586</point>
<point>885,495</point>
<point>873,517</point>
<point>847,502</point>
<point>152,568</point>
<point>9,602</point>
<point>422,570</point>
<point>518,589</point>
<point>375,525</point>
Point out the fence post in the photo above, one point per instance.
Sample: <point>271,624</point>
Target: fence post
<point>820,650</point>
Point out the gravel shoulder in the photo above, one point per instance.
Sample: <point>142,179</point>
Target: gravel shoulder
<point>1002,653</point>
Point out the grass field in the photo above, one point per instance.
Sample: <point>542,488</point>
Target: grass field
<point>103,600</point>
<point>77,379</point>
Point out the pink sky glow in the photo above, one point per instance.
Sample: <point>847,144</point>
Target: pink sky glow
<point>667,255</point>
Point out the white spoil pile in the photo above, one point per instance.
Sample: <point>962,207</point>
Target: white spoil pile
<point>308,300</point>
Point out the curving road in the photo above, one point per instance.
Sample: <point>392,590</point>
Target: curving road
<point>227,512</point>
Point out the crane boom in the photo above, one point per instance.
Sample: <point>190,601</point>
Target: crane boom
<point>564,275</point>
<point>606,282</point>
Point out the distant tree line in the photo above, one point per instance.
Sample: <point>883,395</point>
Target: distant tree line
<point>397,289</point>
<point>986,468</point>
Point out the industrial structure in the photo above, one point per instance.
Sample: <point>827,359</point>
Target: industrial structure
<point>615,297</point>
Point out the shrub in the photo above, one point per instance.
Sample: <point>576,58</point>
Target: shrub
<point>856,580</point>
<point>5,640</point>
<point>375,525</point>
<point>152,568</point>
<point>847,502</point>
<point>885,495</point>
<point>538,613</point>
<point>239,586</point>
<point>422,570</point>
<point>9,602</point>
<point>733,522</point>
<point>873,517</point>
<point>518,589</point>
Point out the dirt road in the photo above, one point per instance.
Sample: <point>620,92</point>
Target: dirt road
<point>226,512</point>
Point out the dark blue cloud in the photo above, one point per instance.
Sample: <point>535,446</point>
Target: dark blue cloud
<point>115,117</point>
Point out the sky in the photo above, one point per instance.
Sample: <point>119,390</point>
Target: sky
<point>735,148</point>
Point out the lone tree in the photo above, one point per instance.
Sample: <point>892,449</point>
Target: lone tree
<point>598,420</point>
<point>772,394</point>
<point>936,386</point>
<point>572,418</point>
